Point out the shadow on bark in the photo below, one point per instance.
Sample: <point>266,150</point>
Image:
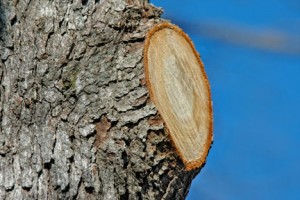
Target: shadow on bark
<point>2,22</point>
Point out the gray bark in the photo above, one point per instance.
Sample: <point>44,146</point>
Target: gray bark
<point>76,121</point>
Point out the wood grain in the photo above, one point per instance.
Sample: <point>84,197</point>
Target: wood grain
<point>180,90</point>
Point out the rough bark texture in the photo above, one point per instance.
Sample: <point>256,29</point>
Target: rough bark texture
<point>76,121</point>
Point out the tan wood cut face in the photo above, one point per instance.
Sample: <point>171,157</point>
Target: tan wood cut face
<point>180,91</point>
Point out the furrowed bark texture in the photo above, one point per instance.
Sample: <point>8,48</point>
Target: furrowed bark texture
<point>76,121</point>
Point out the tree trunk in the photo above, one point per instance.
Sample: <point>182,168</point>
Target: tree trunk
<point>76,121</point>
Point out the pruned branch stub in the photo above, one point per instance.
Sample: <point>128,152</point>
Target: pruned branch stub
<point>180,90</point>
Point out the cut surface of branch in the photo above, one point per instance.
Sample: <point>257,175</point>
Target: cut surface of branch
<point>180,90</point>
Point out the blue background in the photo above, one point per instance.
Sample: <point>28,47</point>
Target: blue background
<point>251,52</point>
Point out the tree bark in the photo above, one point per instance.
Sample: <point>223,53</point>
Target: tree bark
<point>76,121</point>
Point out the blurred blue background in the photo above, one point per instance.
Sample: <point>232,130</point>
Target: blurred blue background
<point>251,52</point>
